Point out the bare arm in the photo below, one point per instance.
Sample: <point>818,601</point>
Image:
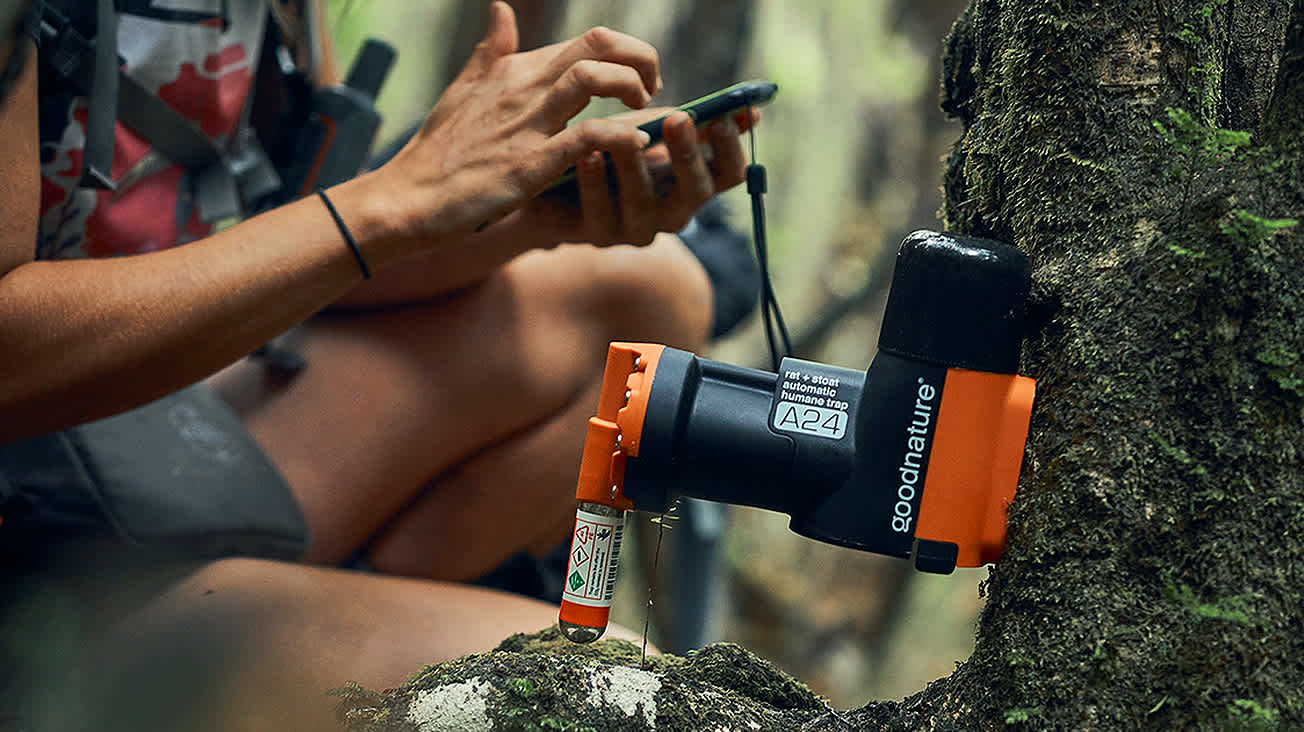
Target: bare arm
<point>83,339</point>
<point>86,338</point>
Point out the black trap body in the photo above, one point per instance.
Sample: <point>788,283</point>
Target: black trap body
<point>919,455</point>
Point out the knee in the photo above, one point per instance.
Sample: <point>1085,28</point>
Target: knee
<point>658,293</point>
<point>583,297</point>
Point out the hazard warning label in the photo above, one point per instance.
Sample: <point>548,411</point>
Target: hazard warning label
<point>595,551</point>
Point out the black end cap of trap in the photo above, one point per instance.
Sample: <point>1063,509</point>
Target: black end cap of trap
<point>957,301</point>
<point>937,557</point>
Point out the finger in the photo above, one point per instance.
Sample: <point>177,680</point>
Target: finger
<point>657,158</point>
<point>596,205</point>
<point>501,39</point>
<point>604,44</point>
<point>638,205</point>
<point>586,79</point>
<point>693,184</point>
<point>728,165</point>
<point>742,120</point>
<point>567,147</point>
<point>745,119</point>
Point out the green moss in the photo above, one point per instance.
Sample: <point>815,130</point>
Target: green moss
<point>1021,715</point>
<point>1178,454</point>
<point>1018,659</point>
<point>563,725</point>
<point>1207,144</point>
<point>1247,229</point>
<point>523,688</point>
<point>1184,252</point>
<point>1235,609</point>
<point>1200,33</point>
<point>1285,368</point>
<point>1248,714</point>
<point>730,666</point>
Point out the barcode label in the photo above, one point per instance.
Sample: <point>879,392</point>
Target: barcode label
<point>615,562</point>
<point>594,559</point>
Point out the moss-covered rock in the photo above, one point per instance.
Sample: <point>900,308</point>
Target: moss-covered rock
<point>541,681</point>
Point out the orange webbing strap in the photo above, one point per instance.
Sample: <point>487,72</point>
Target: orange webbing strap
<point>973,468</point>
<point>603,466</point>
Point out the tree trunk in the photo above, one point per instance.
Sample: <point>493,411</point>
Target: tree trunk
<point>1156,549</point>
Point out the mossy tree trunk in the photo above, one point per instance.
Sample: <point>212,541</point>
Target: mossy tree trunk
<point>1155,571</point>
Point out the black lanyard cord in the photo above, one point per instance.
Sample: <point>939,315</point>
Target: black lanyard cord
<point>773,319</point>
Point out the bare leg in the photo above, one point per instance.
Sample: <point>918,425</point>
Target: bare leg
<point>445,430</point>
<point>245,644</point>
<point>447,433</point>
<point>494,493</point>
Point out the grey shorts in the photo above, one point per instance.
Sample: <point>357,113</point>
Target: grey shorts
<point>100,518</point>
<point>178,477</point>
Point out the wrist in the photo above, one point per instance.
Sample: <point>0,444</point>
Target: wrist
<point>345,232</point>
<point>375,217</point>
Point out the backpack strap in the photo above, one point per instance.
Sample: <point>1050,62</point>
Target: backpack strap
<point>97,168</point>
<point>83,53</point>
<point>175,137</point>
<point>86,57</point>
<point>182,142</point>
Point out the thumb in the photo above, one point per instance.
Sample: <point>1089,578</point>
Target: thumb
<point>501,38</point>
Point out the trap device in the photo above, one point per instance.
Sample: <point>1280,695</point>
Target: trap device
<point>917,456</point>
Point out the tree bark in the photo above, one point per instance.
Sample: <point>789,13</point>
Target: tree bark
<point>1156,547</point>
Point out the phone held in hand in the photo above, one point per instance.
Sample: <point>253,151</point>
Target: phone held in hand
<point>718,105</point>
<point>732,100</point>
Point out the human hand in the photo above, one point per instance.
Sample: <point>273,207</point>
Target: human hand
<point>499,134</point>
<point>633,196</point>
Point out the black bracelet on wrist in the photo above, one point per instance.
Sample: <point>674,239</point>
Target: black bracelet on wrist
<point>348,236</point>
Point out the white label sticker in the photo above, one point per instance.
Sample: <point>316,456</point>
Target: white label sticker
<point>818,421</point>
<point>594,557</point>
<point>814,399</point>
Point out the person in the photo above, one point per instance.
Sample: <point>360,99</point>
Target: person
<point>437,427</point>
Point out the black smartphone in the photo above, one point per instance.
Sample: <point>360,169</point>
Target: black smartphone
<point>719,104</point>
<point>703,111</point>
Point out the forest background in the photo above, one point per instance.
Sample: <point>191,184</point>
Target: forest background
<point>853,145</point>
